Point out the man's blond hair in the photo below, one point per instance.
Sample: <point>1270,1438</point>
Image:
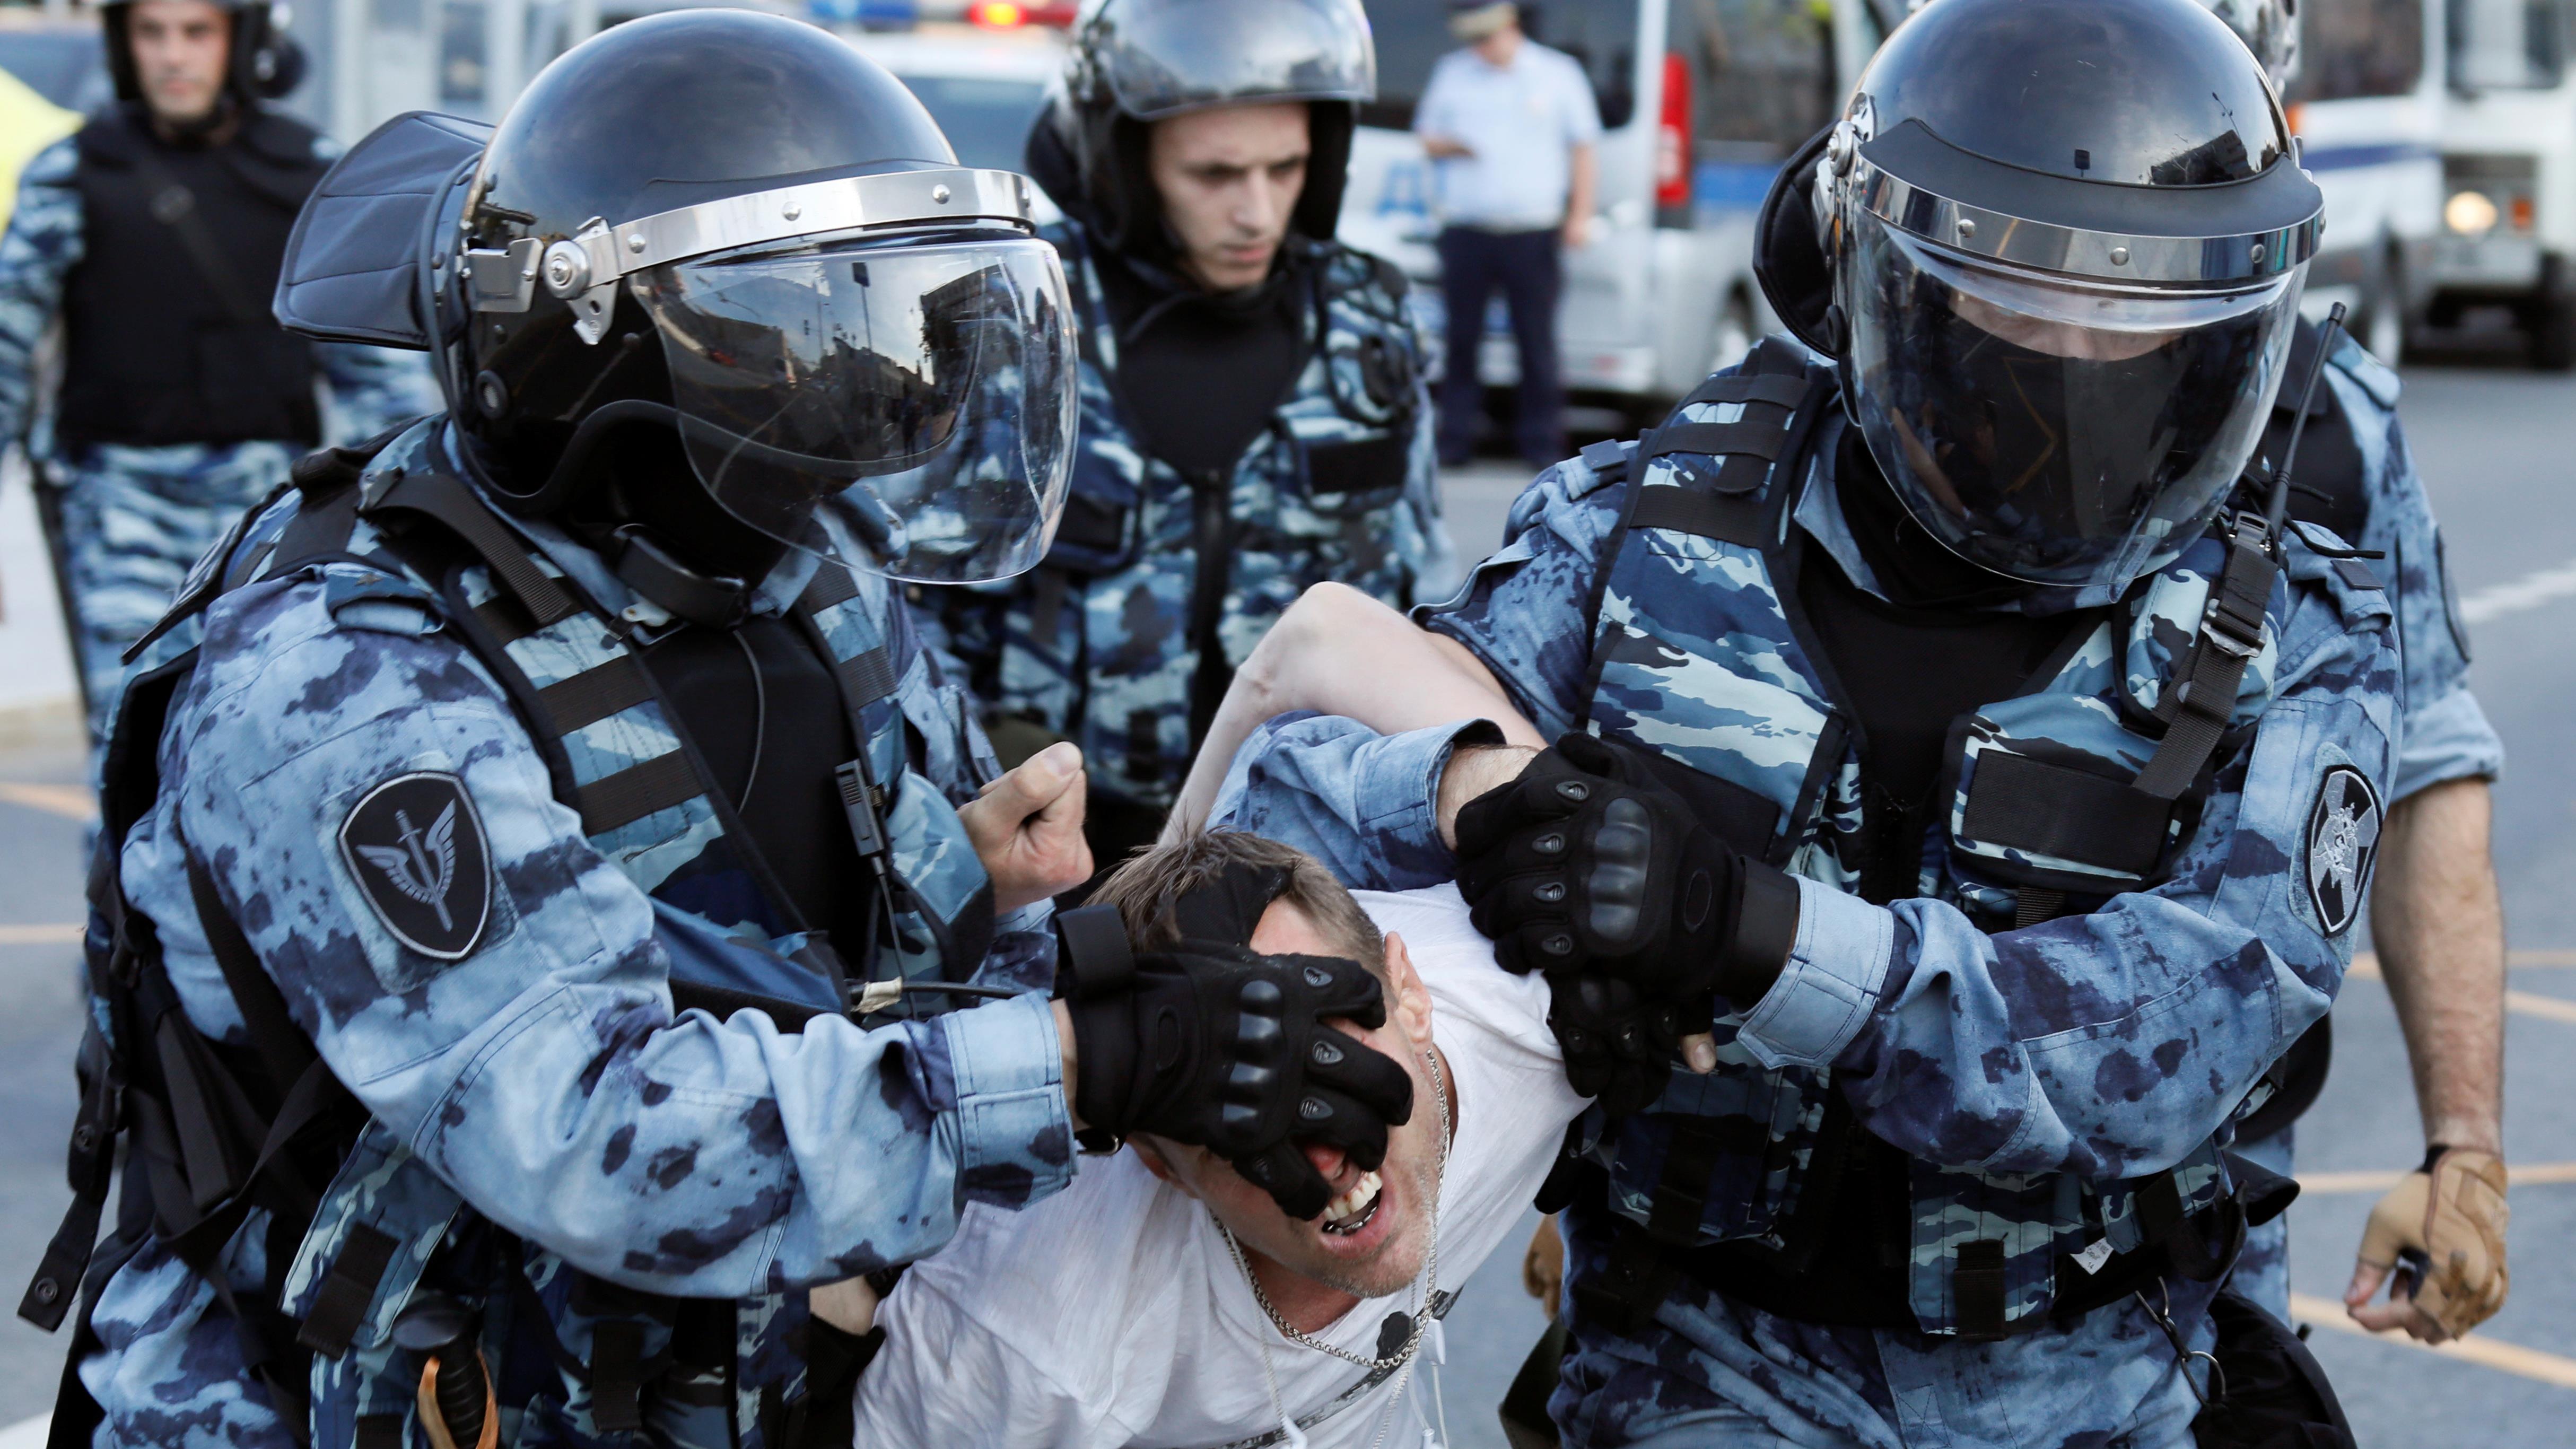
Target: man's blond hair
<point>1149,885</point>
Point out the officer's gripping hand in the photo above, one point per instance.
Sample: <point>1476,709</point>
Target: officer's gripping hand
<point>2453,1219</point>
<point>1220,1046</point>
<point>1585,863</point>
<point>1618,1046</point>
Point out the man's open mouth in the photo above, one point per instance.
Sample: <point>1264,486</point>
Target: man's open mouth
<point>1352,1210</point>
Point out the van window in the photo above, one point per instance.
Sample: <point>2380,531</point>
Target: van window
<point>2508,44</point>
<point>1411,34</point>
<point>2353,48</point>
<point>1761,71</point>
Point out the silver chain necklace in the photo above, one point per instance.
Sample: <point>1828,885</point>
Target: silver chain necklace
<point>1426,1288</point>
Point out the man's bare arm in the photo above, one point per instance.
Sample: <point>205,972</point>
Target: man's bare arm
<point>2438,923</point>
<point>2439,927</point>
<point>1338,651</point>
<point>1581,195</point>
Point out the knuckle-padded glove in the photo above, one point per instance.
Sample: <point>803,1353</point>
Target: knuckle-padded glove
<point>1618,1046</point>
<point>1214,1044</point>
<point>1586,861</point>
<point>2450,1217</point>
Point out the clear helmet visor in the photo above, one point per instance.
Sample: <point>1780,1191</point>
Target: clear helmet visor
<point>923,393</point>
<point>2050,430</point>
<point>1161,57</point>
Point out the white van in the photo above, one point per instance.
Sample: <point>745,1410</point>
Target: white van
<point>2367,107</point>
<point>2509,172</point>
<point>1700,100</point>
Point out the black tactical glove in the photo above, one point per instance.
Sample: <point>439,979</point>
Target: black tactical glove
<point>1618,1046</point>
<point>1210,1043</point>
<point>1587,862</point>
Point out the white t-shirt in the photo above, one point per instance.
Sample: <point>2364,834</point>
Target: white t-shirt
<point>1521,121</point>
<point>1111,1313</point>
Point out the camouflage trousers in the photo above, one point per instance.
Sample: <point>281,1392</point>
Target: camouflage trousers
<point>1712,1371</point>
<point>132,521</point>
<point>2263,1269</point>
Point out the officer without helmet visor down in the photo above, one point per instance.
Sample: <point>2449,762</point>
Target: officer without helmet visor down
<point>543,861</point>
<point>1254,418</point>
<point>153,237</point>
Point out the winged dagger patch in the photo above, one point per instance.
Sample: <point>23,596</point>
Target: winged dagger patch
<point>415,846</point>
<point>2343,841</point>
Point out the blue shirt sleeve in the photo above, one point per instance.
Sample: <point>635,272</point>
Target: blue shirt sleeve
<point>1581,113</point>
<point>545,1075</point>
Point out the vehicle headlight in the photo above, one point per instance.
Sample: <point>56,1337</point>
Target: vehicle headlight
<point>2470,213</point>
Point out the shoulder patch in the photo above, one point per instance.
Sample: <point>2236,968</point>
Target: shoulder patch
<point>2343,843</point>
<point>415,846</point>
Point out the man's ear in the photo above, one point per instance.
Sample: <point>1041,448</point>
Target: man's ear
<point>1150,1151</point>
<point>1412,1000</point>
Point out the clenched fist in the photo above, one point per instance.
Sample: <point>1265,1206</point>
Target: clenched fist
<point>1027,828</point>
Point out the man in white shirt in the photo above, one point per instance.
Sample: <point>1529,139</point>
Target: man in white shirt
<point>1163,1301</point>
<point>1511,128</point>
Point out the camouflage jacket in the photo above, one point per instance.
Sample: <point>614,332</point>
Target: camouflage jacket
<point>366,389</point>
<point>2041,1080</point>
<point>536,1110</point>
<point>1101,643</point>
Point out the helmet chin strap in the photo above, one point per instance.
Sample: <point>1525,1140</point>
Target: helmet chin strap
<point>715,601</point>
<point>633,521</point>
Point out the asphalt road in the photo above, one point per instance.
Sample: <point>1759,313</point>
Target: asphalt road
<point>2499,453</point>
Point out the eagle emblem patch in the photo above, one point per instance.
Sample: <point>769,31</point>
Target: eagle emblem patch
<point>415,846</point>
<point>2343,842</point>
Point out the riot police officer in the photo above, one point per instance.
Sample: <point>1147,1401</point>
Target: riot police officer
<point>540,858</point>
<point>1934,733</point>
<point>153,235</point>
<point>1254,413</point>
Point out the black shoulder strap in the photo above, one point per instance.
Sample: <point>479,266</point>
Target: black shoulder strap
<point>2201,698</point>
<point>1778,397</point>
<point>448,501</point>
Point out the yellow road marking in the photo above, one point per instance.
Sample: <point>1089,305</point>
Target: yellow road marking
<point>51,933</point>
<point>2512,1358</point>
<point>2365,966</point>
<point>2534,1174</point>
<point>72,802</point>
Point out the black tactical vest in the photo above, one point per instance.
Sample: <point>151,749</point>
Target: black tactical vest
<point>166,323</point>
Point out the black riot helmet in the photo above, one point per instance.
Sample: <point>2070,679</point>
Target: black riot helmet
<point>265,63</point>
<point>1134,62</point>
<point>2057,245</point>
<point>733,226</point>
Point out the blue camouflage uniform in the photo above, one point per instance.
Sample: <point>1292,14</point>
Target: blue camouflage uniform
<point>134,518</point>
<point>2054,1089</point>
<point>1097,645</point>
<point>543,1136</point>
<point>2378,499</point>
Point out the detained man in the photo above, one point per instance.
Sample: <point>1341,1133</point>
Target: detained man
<point>1163,1300</point>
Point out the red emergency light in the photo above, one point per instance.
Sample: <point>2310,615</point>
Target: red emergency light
<point>1018,14</point>
<point>1673,138</point>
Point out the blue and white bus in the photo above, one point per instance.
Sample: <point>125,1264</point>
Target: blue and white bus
<point>2509,173</point>
<point>2367,106</point>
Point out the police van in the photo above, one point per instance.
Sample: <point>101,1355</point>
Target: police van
<point>2509,173</point>
<point>1700,101</point>
<point>2367,107</point>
